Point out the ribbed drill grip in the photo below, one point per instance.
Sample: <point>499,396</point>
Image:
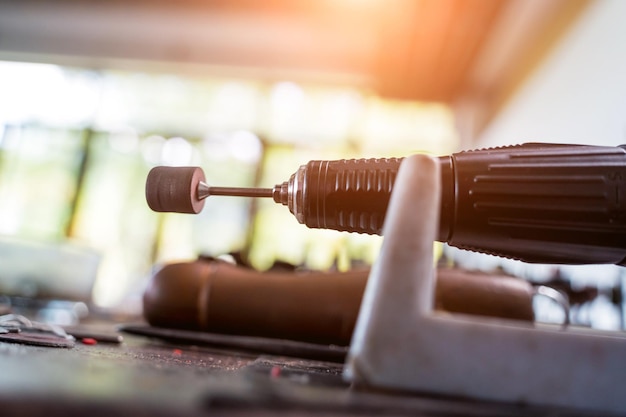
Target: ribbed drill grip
<point>349,195</point>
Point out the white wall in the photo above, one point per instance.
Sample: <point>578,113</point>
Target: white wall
<point>578,95</point>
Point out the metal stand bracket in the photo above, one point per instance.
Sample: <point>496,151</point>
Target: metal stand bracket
<point>400,342</point>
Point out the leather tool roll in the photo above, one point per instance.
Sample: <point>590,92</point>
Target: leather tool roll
<point>316,307</point>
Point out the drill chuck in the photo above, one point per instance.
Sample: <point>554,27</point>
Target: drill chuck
<point>346,195</point>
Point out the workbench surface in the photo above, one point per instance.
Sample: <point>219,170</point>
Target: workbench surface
<point>148,376</point>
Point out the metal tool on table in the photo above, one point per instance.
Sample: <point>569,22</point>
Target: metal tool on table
<point>15,328</point>
<point>544,203</point>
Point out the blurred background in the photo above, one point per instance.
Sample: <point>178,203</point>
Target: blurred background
<point>93,94</point>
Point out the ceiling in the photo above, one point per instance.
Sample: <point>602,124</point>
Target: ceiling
<point>429,50</point>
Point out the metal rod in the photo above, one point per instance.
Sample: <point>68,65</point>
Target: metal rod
<point>241,191</point>
<point>204,190</point>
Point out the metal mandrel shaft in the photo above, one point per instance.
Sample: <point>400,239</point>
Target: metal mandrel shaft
<point>205,190</point>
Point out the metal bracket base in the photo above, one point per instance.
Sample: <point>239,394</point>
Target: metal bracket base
<point>400,342</point>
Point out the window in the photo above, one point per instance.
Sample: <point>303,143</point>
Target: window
<point>76,147</point>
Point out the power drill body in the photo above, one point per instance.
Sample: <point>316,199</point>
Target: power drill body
<point>541,203</point>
